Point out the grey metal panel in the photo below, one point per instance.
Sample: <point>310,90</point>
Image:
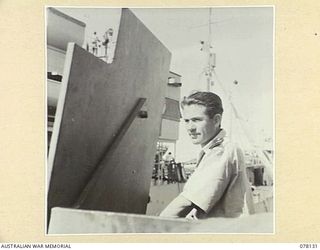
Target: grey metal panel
<point>98,98</point>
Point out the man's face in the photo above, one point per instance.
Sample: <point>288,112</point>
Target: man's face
<point>199,126</point>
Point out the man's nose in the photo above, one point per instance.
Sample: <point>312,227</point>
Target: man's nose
<point>191,126</point>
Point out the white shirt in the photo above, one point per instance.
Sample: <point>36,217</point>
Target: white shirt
<point>219,185</point>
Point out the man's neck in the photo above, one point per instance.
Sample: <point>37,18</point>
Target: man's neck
<point>206,143</point>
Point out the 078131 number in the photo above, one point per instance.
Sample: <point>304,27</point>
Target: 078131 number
<point>308,245</point>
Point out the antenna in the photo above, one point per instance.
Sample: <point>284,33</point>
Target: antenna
<point>209,77</point>
<point>211,57</point>
<point>210,14</point>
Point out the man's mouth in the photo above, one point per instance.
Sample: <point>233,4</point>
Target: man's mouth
<point>194,134</point>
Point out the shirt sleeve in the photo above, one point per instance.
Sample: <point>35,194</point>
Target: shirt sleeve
<point>209,182</point>
<point>179,207</point>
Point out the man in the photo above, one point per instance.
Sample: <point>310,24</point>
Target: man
<point>107,40</point>
<point>95,43</point>
<point>218,187</point>
<point>169,157</point>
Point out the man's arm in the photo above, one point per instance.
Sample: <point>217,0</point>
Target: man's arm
<point>180,207</point>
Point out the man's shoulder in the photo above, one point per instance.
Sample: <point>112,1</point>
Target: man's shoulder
<point>227,143</point>
<point>222,145</point>
<point>223,150</point>
<point>230,147</point>
<point>235,154</point>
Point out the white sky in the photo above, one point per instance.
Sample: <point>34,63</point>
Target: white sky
<point>242,39</point>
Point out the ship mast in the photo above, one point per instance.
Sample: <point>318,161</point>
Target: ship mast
<point>210,55</point>
<point>235,118</point>
<point>209,48</point>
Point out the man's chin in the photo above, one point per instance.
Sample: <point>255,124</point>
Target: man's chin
<point>195,141</point>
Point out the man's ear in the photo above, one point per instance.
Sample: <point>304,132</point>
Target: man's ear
<point>217,119</point>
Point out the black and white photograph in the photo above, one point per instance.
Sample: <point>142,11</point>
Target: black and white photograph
<point>160,120</point>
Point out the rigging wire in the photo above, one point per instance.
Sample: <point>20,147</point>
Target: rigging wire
<point>235,118</point>
<point>266,162</point>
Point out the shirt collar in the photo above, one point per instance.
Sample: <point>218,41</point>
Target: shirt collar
<point>217,140</point>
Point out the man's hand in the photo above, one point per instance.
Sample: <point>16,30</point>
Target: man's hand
<point>192,215</point>
<point>183,208</point>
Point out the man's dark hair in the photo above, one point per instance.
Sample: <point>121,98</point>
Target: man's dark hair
<point>211,101</point>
